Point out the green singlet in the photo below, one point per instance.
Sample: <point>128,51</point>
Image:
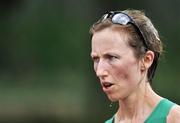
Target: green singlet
<point>158,115</point>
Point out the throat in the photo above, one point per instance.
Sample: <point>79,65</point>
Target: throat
<point>133,108</point>
<point>132,111</point>
<point>130,116</point>
<point>137,107</point>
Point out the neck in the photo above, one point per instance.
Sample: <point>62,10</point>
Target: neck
<point>139,105</point>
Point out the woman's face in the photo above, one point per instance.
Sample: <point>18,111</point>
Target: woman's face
<point>115,64</point>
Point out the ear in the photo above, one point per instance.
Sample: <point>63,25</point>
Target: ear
<point>147,60</point>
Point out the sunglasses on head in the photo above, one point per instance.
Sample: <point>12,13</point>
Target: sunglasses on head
<point>118,17</point>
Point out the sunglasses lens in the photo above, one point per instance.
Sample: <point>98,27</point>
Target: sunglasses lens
<point>121,18</point>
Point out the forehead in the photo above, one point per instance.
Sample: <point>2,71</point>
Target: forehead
<point>110,38</point>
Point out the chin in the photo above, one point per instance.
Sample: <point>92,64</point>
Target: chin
<point>113,99</point>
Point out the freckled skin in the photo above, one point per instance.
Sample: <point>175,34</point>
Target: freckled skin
<point>114,61</point>
<point>123,76</point>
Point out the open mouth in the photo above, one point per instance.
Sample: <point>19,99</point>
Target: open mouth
<point>107,84</point>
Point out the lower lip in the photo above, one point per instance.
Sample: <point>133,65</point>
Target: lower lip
<point>109,89</point>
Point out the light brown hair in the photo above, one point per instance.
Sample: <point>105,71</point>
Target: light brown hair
<point>149,32</point>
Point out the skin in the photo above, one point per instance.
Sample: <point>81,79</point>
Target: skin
<point>115,62</point>
<point>174,115</point>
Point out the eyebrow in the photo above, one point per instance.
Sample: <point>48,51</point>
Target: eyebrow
<point>105,54</point>
<point>93,54</point>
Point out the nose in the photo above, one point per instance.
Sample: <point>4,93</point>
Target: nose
<point>101,69</point>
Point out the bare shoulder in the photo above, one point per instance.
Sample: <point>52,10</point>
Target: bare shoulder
<point>174,115</point>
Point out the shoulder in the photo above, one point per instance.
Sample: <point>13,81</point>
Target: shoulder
<point>174,115</point>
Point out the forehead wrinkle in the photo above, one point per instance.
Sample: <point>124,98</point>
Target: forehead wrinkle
<point>103,36</point>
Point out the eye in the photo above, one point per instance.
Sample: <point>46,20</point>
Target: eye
<point>111,57</point>
<point>95,59</point>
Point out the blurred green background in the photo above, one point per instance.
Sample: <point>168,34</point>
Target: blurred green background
<point>46,73</point>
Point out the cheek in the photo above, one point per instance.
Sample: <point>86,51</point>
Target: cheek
<point>120,72</point>
<point>128,71</point>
